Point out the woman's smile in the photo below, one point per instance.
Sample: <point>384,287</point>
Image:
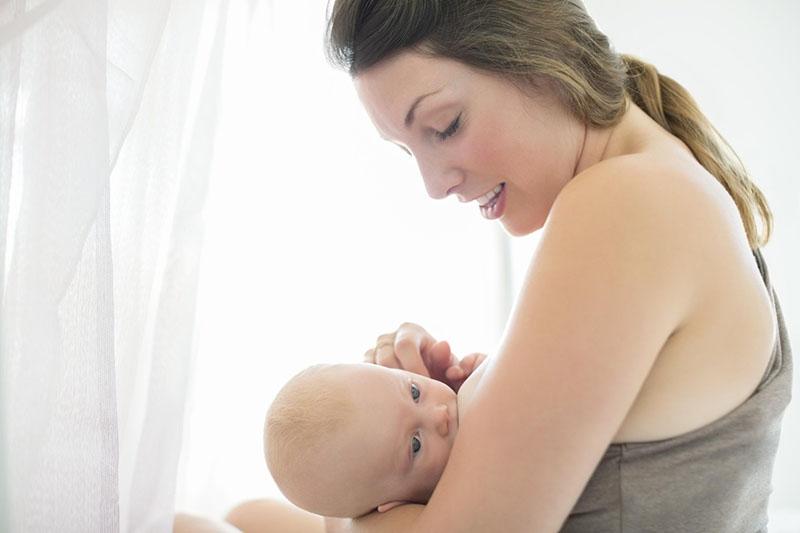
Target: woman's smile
<point>494,206</point>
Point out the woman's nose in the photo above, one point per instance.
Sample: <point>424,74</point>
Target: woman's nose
<point>441,420</point>
<point>439,180</point>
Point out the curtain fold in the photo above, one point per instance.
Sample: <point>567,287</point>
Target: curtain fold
<point>107,118</point>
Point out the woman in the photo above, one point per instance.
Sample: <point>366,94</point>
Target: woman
<point>643,373</point>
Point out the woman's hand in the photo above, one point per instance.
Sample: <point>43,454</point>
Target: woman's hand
<point>412,348</point>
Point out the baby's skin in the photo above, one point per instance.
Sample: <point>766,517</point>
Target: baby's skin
<point>348,439</point>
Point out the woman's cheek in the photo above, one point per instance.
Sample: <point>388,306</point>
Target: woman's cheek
<point>481,153</point>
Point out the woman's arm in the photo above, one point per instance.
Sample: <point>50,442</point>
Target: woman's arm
<point>612,279</point>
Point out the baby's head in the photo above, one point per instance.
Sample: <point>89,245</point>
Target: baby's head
<point>343,440</point>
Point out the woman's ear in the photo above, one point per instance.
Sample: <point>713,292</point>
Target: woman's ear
<point>382,508</point>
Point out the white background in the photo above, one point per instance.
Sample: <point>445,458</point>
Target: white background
<point>319,236</point>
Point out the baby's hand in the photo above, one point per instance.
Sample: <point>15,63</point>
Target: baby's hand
<point>458,373</point>
<point>412,348</point>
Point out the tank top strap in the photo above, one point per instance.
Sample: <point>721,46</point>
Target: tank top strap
<point>777,359</point>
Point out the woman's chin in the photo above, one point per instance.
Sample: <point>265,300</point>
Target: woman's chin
<point>515,230</point>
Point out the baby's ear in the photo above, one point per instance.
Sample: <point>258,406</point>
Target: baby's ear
<point>382,508</point>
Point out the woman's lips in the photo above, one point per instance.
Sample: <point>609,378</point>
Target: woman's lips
<point>494,209</point>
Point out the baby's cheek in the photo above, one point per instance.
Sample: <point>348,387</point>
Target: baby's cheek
<point>424,492</point>
<point>438,470</point>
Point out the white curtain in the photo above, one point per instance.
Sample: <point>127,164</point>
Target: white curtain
<point>107,120</point>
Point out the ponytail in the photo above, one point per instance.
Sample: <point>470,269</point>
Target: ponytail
<point>669,104</point>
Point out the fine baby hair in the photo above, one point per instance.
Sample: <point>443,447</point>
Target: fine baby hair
<point>308,410</point>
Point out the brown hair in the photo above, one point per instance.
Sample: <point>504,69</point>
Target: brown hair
<point>537,42</point>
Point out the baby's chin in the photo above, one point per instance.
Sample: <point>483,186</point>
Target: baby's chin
<point>424,494</point>
<point>420,493</point>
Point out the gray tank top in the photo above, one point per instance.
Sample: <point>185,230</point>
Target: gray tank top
<point>714,479</point>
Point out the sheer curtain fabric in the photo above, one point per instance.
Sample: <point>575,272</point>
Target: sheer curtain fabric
<point>107,114</point>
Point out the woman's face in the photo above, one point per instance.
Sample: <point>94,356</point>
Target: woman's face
<point>472,132</point>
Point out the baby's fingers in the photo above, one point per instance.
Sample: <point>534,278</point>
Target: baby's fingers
<point>440,356</point>
<point>369,356</point>
<point>455,373</point>
<point>472,361</point>
<point>407,352</point>
<point>465,367</point>
<point>384,353</point>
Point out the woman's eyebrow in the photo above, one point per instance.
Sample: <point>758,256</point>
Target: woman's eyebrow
<point>410,115</point>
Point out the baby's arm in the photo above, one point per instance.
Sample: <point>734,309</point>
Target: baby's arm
<point>268,515</point>
<point>271,515</point>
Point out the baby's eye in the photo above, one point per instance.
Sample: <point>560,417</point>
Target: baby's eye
<point>416,444</point>
<point>414,391</point>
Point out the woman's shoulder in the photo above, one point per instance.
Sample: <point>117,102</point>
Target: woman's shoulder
<point>665,186</point>
<point>662,198</point>
<point>660,175</point>
<point>729,316</point>
<point>664,203</point>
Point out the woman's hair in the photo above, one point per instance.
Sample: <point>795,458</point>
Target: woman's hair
<point>550,43</point>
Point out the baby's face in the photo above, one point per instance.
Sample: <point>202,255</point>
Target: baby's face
<point>400,439</point>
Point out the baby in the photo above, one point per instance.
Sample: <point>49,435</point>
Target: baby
<point>343,440</point>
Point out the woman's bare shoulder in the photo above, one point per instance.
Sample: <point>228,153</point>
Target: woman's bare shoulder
<point>650,172</point>
<point>672,189</point>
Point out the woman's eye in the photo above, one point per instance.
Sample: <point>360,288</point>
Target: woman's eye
<point>416,444</point>
<point>414,391</point>
<point>451,129</point>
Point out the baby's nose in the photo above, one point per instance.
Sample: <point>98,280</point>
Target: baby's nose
<point>441,420</point>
